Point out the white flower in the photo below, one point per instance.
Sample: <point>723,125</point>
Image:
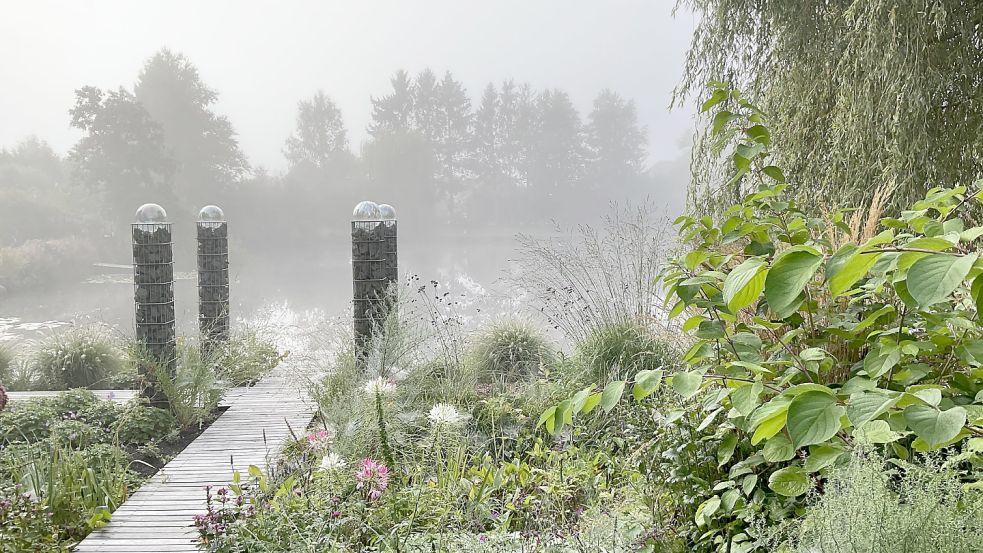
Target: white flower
<point>332,461</point>
<point>379,386</point>
<point>445,414</point>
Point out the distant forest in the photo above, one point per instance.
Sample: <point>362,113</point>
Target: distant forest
<point>513,158</point>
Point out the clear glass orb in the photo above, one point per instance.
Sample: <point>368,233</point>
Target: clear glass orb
<point>387,212</point>
<point>366,211</point>
<point>151,213</point>
<point>211,216</point>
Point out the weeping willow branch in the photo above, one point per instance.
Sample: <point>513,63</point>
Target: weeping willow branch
<point>857,93</point>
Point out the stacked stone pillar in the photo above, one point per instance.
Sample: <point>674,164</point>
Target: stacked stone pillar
<point>153,291</point>
<point>213,277</point>
<point>374,269</point>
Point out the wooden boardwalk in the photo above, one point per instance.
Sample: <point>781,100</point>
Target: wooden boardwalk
<point>119,396</point>
<point>158,518</point>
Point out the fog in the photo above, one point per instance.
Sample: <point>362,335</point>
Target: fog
<point>477,120</point>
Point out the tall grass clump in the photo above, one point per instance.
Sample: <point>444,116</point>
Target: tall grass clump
<point>245,357</point>
<point>597,276</point>
<point>873,506</point>
<point>619,350</point>
<point>6,363</point>
<point>509,352</point>
<point>82,357</point>
<point>193,392</point>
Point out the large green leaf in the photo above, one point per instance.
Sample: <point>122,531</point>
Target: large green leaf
<point>932,278</point>
<point>813,418</point>
<point>852,270</point>
<point>876,432</point>
<point>934,426</point>
<point>745,398</point>
<point>867,406</point>
<point>744,284</point>
<point>978,296</point>
<point>778,449</point>
<point>821,456</point>
<point>789,481</point>
<point>612,395</point>
<point>646,382</point>
<point>686,383</point>
<point>788,277</point>
<point>769,419</point>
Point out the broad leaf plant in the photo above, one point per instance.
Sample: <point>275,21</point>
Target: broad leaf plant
<point>810,339</point>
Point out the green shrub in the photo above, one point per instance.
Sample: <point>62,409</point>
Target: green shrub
<point>245,358</point>
<point>193,393</point>
<point>78,488</point>
<point>41,264</point>
<point>509,352</point>
<point>21,376</point>
<point>6,363</point>
<point>140,424</point>
<point>869,506</point>
<point>25,523</point>
<point>84,357</point>
<point>76,434</point>
<point>617,350</point>
<point>27,421</point>
<point>71,402</point>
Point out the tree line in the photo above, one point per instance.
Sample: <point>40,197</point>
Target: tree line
<point>514,157</point>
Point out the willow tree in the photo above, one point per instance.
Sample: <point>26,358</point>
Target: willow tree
<point>859,94</point>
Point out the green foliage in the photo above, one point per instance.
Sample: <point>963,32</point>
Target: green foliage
<point>597,277</point>
<point>27,421</point>
<point>617,350</point>
<point>898,104</point>
<point>25,523</point>
<point>244,358</point>
<point>6,363</point>
<point>84,357</point>
<point>910,506</point>
<point>848,338</point>
<point>510,352</point>
<point>140,424</point>
<point>76,490</point>
<point>193,393</point>
<point>804,346</point>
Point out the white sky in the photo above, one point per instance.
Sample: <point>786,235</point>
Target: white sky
<point>262,57</point>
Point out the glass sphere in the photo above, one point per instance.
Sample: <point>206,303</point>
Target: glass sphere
<point>366,211</point>
<point>211,216</point>
<point>387,212</point>
<point>151,213</point>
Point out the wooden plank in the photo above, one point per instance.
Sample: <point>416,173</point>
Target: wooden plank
<point>159,516</point>
<point>118,396</point>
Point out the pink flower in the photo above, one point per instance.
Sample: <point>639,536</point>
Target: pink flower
<point>373,478</point>
<point>320,440</point>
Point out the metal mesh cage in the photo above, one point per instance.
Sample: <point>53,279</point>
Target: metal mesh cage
<point>370,277</point>
<point>153,291</point>
<point>213,281</point>
<point>392,259</point>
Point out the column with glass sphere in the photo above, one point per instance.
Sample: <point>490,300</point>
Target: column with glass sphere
<point>369,275</point>
<point>153,290</point>
<point>388,215</point>
<point>213,277</point>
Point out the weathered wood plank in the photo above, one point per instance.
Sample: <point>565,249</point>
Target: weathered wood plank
<point>159,516</point>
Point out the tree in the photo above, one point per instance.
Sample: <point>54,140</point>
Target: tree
<point>35,202</point>
<point>392,112</point>
<point>556,157</point>
<point>122,156</point>
<point>320,139</point>
<point>615,140</point>
<point>455,120</point>
<point>859,93</point>
<point>202,143</point>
